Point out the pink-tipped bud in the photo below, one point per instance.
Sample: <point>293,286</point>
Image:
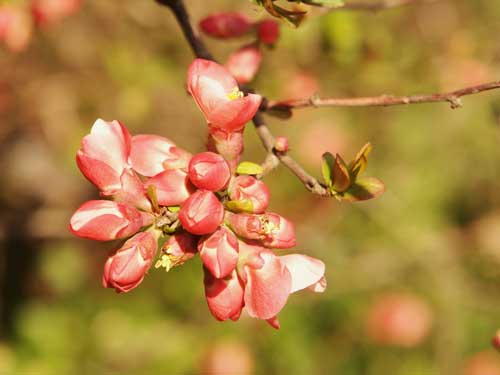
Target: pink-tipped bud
<point>104,154</point>
<point>49,11</point>
<point>201,213</point>
<point>248,188</point>
<point>209,171</point>
<point>281,144</point>
<point>496,341</point>
<point>172,187</point>
<point>272,230</point>
<point>217,94</point>
<point>268,31</point>
<point>224,296</point>
<point>244,63</point>
<point>179,248</point>
<point>125,269</point>
<point>107,220</point>
<point>226,25</point>
<point>152,154</point>
<point>219,252</point>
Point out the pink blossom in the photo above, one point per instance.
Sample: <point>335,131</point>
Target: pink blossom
<point>201,213</point>
<point>268,31</point>
<point>172,187</point>
<point>218,97</point>
<point>224,296</point>
<point>180,247</point>
<point>132,191</point>
<point>107,220</point>
<point>244,63</point>
<point>219,252</point>
<point>103,155</point>
<point>248,188</point>
<point>125,269</point>
<point>152,154</point>
<point>226,25</point>
<point>209,171</point>
<point>49,11</point>
<point>15,27</point>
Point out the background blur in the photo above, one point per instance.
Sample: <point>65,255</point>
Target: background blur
<point>413,276</point>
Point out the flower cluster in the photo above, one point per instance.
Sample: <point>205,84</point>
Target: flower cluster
<point>157,193</point>
<point>244,63</point>
<point>17,21</point>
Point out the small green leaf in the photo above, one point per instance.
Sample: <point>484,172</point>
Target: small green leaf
<point>341,178</point>
<point>247,167</point>
<point>327,168</point>
<point>364,189</point>
<point>244,205</point>
<point>358,165</point>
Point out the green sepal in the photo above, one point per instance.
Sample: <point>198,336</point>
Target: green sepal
<point>247,167</point>
<point>174,208</point>
<point>244,205</point>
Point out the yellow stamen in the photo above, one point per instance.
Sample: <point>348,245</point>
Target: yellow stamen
<point>235,94</point>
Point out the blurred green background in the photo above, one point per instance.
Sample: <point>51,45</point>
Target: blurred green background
<point>434,235</point>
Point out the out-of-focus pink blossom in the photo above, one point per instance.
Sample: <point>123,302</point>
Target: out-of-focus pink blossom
<point>172,187</point>
<point>224,358</point>
<point>281,144</point>
<point>271,229</point>
<point>209,171</point>
<point>244,63</point>
<point>125,269</point>
<point>46,12</point>
<point>226,25</point>
<point>216,92</point>
<point>15,27</point>
<point>249,188</point>
<point>224,296</point>
<point>483,363</point>
<point>201,213</point>
<point>103,155</point>
<point>152,154</point>
<point>268,31</point>
<point>107,220</point>
<point>399,319</point>
<point>219,252</point>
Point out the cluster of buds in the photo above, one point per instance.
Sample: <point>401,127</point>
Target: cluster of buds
<point>206,204</point>
<point>17,20</point>
<point>245,62</point>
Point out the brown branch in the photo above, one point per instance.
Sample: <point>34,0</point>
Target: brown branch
<point>181,15</point>
<point>381,101</point>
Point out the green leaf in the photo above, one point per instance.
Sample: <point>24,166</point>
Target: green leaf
<point>247,167</point>
<point>327,168</point>
<point>364,189</point>
<point>244,205</point>
<point>341,177</point>
<point>358,165</point>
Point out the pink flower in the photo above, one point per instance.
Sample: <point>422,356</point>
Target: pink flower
<point>226,25</point>
<point>271,229</point>
<point>132,191</point>
<point>268,31</point>
<point>180,247</point>
<point>172,187</point>
<point>218,97</point>
<point>219,252</point>
<point>224,296</point>
<point>107,220</point>
<point>248,188</point>
<point>152,154</point>
<point>201,213</point>
<point>126,268</point>
<point>49,11</point>
<point>104,153</point>
<point>244,63</point>
<point>209,171</point>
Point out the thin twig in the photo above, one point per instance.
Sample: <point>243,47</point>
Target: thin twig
<point>181,15</point>
<point>383,100</point>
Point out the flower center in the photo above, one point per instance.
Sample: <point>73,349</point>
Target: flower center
<point>235,93</point>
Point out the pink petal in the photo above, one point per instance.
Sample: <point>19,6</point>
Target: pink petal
<point>232,116</point>
<point>172,187</point>
<point>224,296</point>
<point>305,271</point>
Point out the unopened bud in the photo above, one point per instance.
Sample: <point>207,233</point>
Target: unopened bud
<point>281,144</point>
<point>268,31</point>
<point>226,25</point>
<point>248,188</point>
<point>201,213</point>
<point>209,171</point>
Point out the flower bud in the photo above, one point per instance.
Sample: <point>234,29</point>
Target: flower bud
<point>244,63</point>
<point>224,296</point>
<point>229,145</point>
<point>226,25</point>
<point>104,153</point>
<point>179,248</point>
<point>247,187</point>
<point>49,11</point>
<point>152,154</point>
<point>219,252</point>
<point>126,268</point>
<point>106,220</point>
<point>172,187</point>
<point>272,230</point>
<point>268,31</point>
<point>281,144</point>
<point>201,213</point>
<point>209,171</point>
<point>217,95</point>
<point>496,341</point>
